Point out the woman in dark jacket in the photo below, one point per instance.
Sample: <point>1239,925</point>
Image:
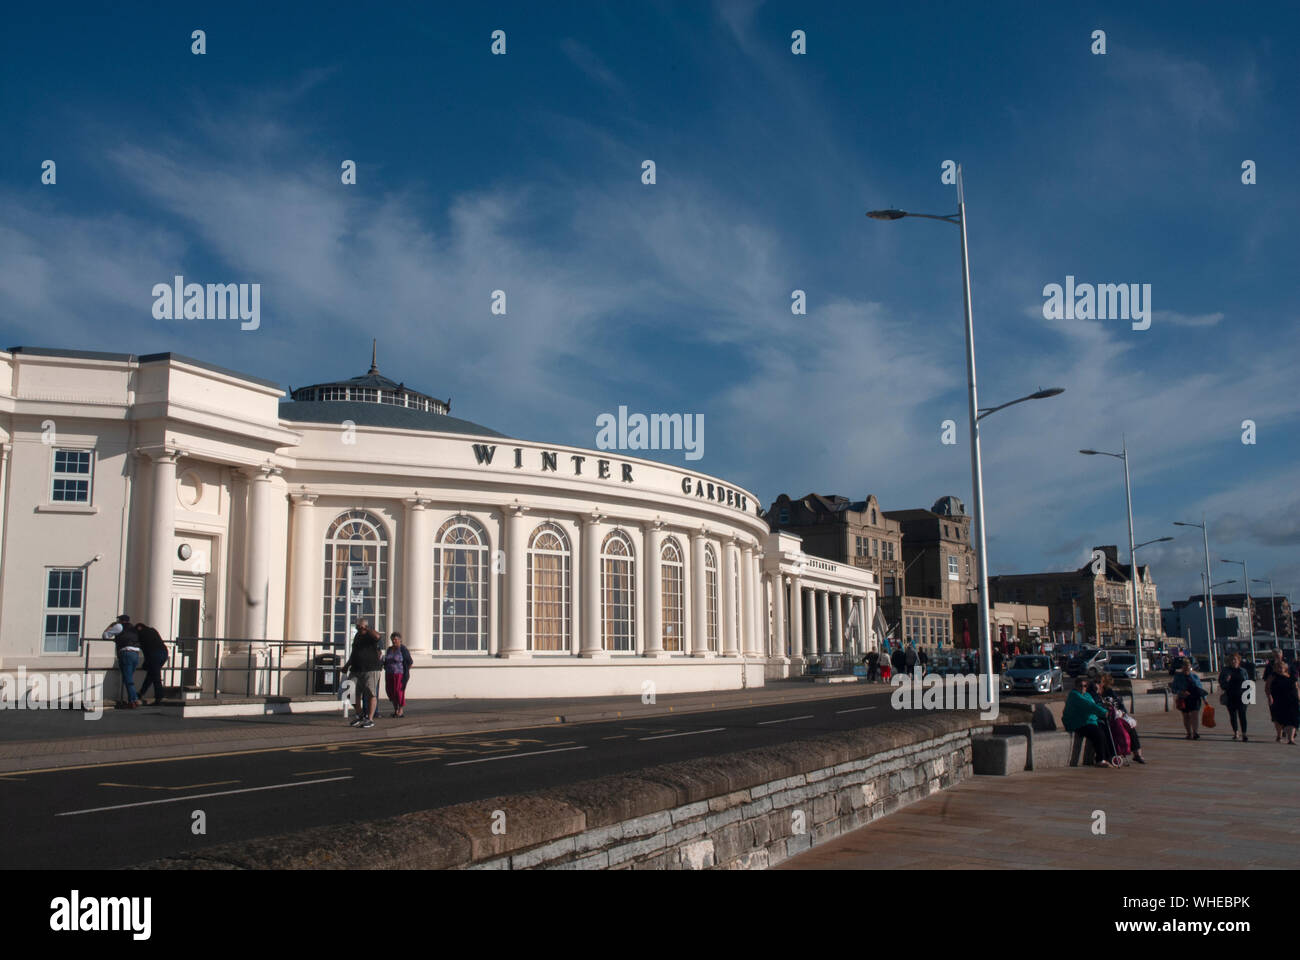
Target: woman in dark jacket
<point>1233,681</point>
<point>1286,700</point>
<point>1189,695</point>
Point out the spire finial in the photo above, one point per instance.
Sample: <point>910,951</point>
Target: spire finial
<point>374,354</point>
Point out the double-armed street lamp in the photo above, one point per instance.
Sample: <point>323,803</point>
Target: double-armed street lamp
<point>1133,572</point>
<point>1209,588</point>
<point>958,219</point>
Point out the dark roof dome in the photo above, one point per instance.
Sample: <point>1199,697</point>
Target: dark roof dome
<point>376,401</point>
<point>948,507</point>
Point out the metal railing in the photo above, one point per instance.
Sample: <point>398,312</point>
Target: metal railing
<point>195,665</point>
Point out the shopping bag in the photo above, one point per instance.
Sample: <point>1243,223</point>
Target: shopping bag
<point>1207,716</point>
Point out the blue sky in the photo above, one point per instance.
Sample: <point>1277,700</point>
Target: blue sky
<point>522,172</point>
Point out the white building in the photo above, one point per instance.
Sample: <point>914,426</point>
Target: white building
<point>254,530</point>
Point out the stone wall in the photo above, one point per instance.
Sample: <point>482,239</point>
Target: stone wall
<point>751,809</point>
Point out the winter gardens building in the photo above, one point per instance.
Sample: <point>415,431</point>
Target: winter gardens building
<point>253,531</point>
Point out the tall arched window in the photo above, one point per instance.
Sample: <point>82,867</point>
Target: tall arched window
<point>711,589</point>
<point>460,586</point>
<point>549,622</point>
<point>356,576</point>
<point>618,593</point>
<point>673,579</point>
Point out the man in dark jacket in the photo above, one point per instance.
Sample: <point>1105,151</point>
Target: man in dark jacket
<point>363,665</point>
<point>155,655</point>
<point>897,659</point>
<point>123,635</point>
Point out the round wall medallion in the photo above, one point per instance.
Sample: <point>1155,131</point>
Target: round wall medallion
<point>185,551</point>
<point>189,489</point>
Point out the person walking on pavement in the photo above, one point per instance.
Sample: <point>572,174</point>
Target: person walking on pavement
<point>363,665</point>
<point>997,662</point>
<point>127,641</point>
<point>924,659</point>
<point>1270,669</point>
<point>873,665</point>
<point>1285,697</point>
<point>1188,697</point>
<point>898,659</point>
<point>397,673</point>
<point>1232,679</point>
<point>155,655</point>
<point>909,658</point>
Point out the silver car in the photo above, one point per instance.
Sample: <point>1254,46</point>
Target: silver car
<point>1122,665</point>
<point>1032,673</point>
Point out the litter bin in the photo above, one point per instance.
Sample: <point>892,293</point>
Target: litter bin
<point>326,673</point>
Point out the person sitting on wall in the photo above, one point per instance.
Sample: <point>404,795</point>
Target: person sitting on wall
<point>1082,715</point>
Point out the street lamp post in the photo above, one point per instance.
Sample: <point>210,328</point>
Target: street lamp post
<point>958,219</point>
<point>1132,550</point>
<point>1209,590</point>
<point>1272,610</point>
<point>1250,607</point>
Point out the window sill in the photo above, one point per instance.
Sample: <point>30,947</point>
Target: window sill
<point>83,508</point>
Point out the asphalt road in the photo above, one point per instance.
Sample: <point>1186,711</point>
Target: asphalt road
<point>116,815</point>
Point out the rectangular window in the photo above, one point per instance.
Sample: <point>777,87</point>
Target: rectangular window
<point>889,586</point>
<point>1101,614</point>
<point>954,572</point>
<point>64,591</point>
<point>875,547</point>
<point>73,471</point>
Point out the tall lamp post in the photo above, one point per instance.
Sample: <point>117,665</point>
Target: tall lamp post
<point>1272,610</point>
<point>958,219</point>
<point>1133,572</point>
<point>1209,590</point>
<point>1250,607</point>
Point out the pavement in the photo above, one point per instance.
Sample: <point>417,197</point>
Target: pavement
<point>1211,804</point>
<point>32,740</point>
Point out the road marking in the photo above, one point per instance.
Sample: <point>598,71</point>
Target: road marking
<point>763,723</point>
<point>855,710</point>
<point>308,773</point>
<point>192,786</point>
<point>688,733</point>
<point>199,796</point>
<point>507,756</point>
<point>621,736</point>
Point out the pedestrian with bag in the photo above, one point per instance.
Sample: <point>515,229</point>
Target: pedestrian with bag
<point>1233,678</point>
<point>127,641</point>
<point>1189,695</point>
<point>397,673</point>
<point>155,655</point>
<point>1113,698</point>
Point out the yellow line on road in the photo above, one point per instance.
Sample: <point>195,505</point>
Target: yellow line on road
<point>192,786</point>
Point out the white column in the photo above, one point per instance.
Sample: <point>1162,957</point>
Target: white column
<point>5,449</point>
<point>748,602</point>
<point>162,528</point>
<point>699,597</point>
<point>837,622</point>
<point>654,594</point>
<point>258,567</point>
<point>305,566</point>
<point>778,616</point>
<point>590,587</point>
<point>728,613</point>
<point>823,621</point>
<point>417,582</point>
<point>796,618</point>
<point>513,638</point>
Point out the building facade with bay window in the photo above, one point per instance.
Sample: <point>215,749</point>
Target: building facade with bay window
<point>253,530</point>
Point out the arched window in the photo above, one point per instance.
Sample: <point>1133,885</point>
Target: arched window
<point>549,622</point>
<point>711,589</point>
<point>356,576</point>
<point>673,579</point>
<point>460,586</point>
<point>618,593</point>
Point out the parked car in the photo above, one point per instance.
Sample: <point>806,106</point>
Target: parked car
<point>1032,673</point>
<point>945,666</point>
<point>1122,665</point>
<point>1089,660</point>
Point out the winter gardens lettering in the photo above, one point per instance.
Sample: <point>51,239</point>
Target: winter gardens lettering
<point>550,463</point>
